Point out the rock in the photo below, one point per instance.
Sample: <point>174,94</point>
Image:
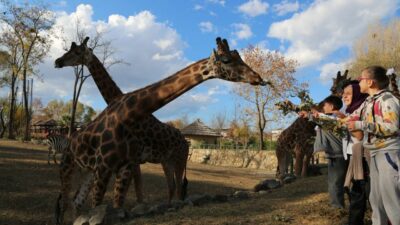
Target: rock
<point>102,215</point>
<point>241,195</point>
<point>262,192</point>
<point>98,214</point>
<point>267,185</point>
<point>289,179</point>
<point>220,198</point>
<point>197,200</point>
<point>177,204</point>
<point>82,220</point>
<point>159,209</point>
<point>140,210</point>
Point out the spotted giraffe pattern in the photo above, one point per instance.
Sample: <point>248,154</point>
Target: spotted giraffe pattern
<point>167,145</point>
<point>107,144</point>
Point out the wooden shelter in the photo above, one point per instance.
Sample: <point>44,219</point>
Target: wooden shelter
<point>200,135</point>
<point>42,128</point>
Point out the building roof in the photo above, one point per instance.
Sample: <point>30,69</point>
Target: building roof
<point>200,129</point>
<point>49,122</point>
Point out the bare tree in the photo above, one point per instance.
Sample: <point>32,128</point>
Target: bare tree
<point>261,100</point>
<point>28,29</point>
<point>379,45</point>
<point>219,122</point>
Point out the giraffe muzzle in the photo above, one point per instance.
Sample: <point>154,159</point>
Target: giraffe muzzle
<point>58,64</point>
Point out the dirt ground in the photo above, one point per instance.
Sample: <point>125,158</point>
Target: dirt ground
<point>29,187</point>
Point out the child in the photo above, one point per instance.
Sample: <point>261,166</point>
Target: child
<point>380,124</point>
<point>333,150</point>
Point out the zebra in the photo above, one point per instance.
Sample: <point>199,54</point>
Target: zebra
<point>57,144</point>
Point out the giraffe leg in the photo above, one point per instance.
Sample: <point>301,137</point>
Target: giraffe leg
<point>83,191</point>
<point>306,162</point>
<point>137,178</point>
<point>66,170</point>
<point>169,175</point>
<point>282,165</point>
<point>179,170</point>
<point>122,182</point>
<point>101,179</point>
<point>299,161</point>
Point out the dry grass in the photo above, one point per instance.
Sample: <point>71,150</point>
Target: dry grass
<point>29,187</point>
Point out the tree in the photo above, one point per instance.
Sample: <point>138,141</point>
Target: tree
<point>28,28</point>
<point>218,122</point>
<point>10,76</point>
<point>89,114</point>
<point>61,112</point>
<point>261,99</point>
<point>54,109</point>
<point>379,45</point>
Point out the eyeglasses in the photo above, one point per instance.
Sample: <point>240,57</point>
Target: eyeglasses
<point>363,78</point>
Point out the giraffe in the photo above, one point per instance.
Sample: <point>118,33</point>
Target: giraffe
<point>297,140</point>
<point>106,145</point>
<point>166,140</point>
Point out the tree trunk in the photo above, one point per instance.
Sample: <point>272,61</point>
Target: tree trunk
<point>11,133</point>
<point>2,124</point>
<point>261,133</point>
<point>73,110</point>
<point>26,108</point>
<point>79,77</point>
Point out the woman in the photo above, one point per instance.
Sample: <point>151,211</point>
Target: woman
<point>356,177</point>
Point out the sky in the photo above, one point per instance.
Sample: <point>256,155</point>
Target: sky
<point>159,37</point>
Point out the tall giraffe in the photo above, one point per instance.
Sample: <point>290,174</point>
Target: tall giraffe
<point>168,145</point>
<point>106,145</point>
<point>297,139</point>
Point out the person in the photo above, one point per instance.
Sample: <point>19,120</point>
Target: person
<point>357,172</point>
<point>380,124</point>
<point>332,145</point>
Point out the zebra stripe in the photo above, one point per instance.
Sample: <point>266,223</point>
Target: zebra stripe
<point>58,144</point>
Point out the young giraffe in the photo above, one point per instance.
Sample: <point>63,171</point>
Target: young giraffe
<point>106,145</point>
<point>169,146</point>
<point>297,139</point>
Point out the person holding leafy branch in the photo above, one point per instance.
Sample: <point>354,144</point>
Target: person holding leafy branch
<point>331,143</point>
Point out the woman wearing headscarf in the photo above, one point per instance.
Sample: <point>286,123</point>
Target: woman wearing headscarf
<point>356,177</point>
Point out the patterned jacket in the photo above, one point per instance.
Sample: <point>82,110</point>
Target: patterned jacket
<point>379,121</point>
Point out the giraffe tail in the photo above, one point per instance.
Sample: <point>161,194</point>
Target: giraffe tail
<point>184,186</point>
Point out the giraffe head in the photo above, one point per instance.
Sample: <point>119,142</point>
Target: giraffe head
<point>228,65</point>
<point>338,82</point>
<point>76,55</point>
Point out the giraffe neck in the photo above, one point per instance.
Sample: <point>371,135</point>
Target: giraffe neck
<point>108,88</point>
<point>147,100</point>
